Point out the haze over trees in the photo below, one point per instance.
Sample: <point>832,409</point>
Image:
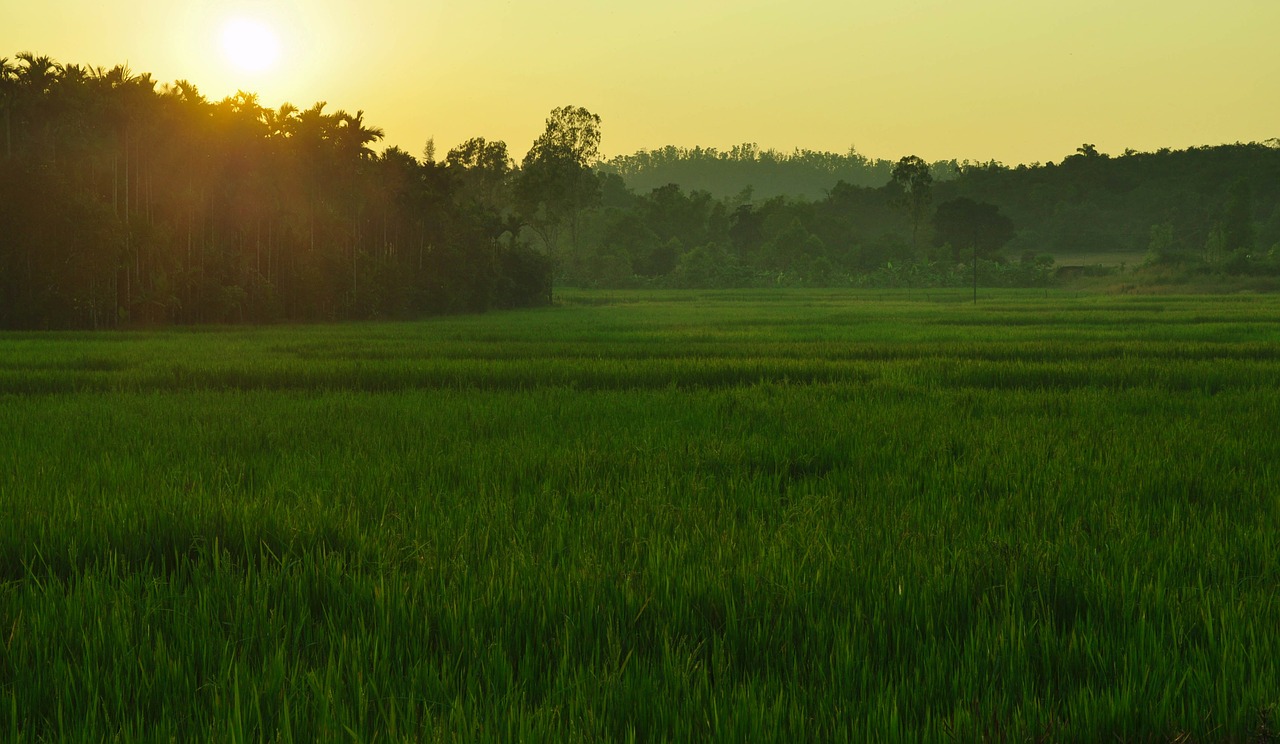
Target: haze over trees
<point>806,174</point>
<point>125,201</point>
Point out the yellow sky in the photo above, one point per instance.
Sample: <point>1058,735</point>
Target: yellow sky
<point>1011,80</point>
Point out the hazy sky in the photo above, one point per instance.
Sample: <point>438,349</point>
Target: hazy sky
<point>1011,80</point>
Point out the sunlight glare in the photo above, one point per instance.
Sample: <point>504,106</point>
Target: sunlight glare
<point>249,45</point>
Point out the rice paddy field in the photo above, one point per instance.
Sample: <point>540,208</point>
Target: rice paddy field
<point>732,516</point>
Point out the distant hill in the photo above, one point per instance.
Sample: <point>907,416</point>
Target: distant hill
<point>726,174</point>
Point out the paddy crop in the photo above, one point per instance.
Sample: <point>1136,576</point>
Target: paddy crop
<point>651,516</point>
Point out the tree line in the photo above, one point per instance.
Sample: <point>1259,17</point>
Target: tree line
<point>124,201</point>
<point>761,173</point>
<point>1200,211</point>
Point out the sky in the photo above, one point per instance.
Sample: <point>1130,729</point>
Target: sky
<point>1018,81</point>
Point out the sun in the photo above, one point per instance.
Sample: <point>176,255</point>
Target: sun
<point>249,45</point>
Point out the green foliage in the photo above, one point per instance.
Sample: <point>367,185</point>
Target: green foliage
<point>768,516</point>
<point>556,182</point>
<point>1090,209</point>
<point>911,177</point>
<point>708,266</point>
<point>1161,249</point>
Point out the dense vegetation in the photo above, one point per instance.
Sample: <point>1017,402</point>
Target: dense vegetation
<point>121,203</point>
<point>124,203</point>
<point>763,174</point>
<point>777,516</point>
<point>1203,211</point>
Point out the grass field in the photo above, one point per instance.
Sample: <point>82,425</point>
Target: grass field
<point>752,516</point>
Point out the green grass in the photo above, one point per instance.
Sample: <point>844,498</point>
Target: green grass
<point>787,515</point>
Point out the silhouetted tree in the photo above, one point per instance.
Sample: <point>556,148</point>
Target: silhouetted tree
<point>483,172</point>
<point>124,203</point>
<point>8,98</point>
<point>913,177</point>
<point>556,181</point>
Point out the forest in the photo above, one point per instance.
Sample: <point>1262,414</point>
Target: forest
<point>125,201</point>
<point>1205,211</point>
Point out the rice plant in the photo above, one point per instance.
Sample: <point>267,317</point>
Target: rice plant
<point>651,516</point>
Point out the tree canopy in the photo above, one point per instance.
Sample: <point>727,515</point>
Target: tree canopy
<point>556,182</point>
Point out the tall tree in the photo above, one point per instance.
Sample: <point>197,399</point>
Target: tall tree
<point>8,97</point>
<point>352,139</point>
<point>912,175</point>
<point>556,181</point>
<point>33,79</point>
<point>482,170</point>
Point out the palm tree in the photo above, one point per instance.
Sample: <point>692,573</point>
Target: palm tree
<point>8,95</point>
<point>35,80</point>
<point>351,142</point>
<point>280,122</point>
<point>279,125</point>
<point>183,165</point>
<point>130,108</point>
<point>311,132</point>
<point>353,137</point>
<point>39,73</point>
